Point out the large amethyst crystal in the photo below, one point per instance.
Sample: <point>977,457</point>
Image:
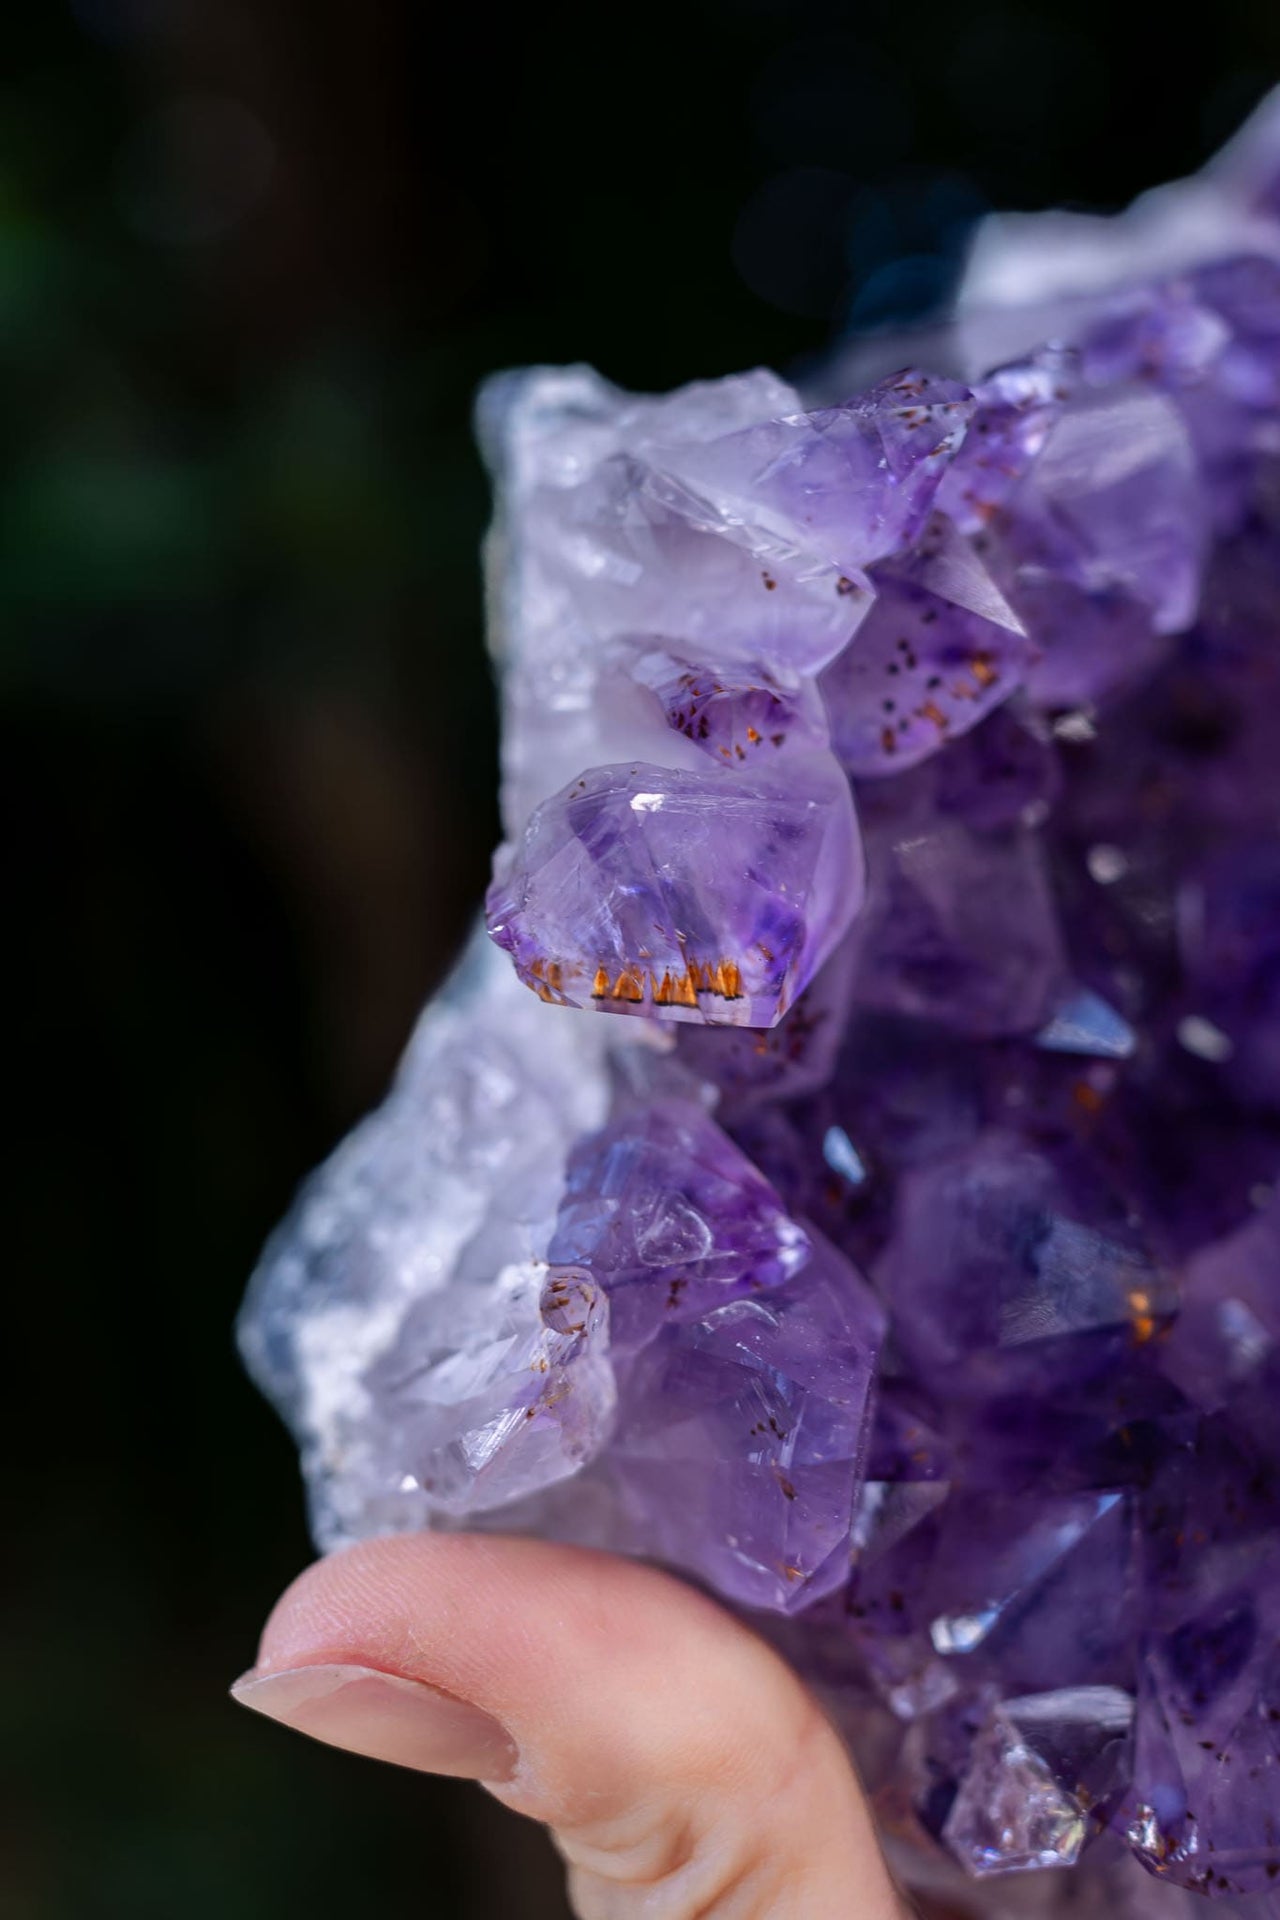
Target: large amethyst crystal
<point>906,1267</point>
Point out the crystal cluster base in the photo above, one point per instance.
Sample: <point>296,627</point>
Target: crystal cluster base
<point>905,1267</point>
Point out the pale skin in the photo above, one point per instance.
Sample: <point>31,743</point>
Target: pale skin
<point>683,1770</point>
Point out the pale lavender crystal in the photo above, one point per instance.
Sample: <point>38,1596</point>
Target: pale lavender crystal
<point>1204,1807</point>
<point>703,897</point>
<point>394,1316</point>
<point>671,1220</point>
<point>495,1396</point>
<point>1017,407</point>
<point>600,550</point>
<point>1093,643</point>
<point>1115,502</point>
<point>906,1268</point>
<point>1035,277</point>
<point>1088,506</point>
<point>1162,334</point>
<point>855,482</point>
<point>1209,340</point>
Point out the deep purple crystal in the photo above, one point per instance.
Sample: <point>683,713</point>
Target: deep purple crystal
<point>960,926</point>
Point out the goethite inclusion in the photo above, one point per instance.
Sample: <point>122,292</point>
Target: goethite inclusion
<point>906,1268</point>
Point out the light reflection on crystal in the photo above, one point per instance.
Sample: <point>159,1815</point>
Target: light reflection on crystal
<point>1084,1023</point>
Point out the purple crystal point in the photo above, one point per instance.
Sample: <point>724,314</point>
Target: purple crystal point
<point>888,1510</point>
<point>1092,643</point>
<point>999,1279</point>
<point>742,1435</point>
<point>959,1579</point>
<point>905,1441</point>
<point>1036,1768</point>
<point>795,1057</point>
<point>1004,773</point>
<point>959,926</point>
<point>1115,503</point>
<point>854,482</point>
<point>395,1317</point>
<point>1229,1325</point>
<point>1071,1622</point>
<point>671,1220</point>
<point>991,1564</point>
<point>1243,296</point>
<point>500,1396</point>
<point>735,717</point>
<point>1204,1808</point>
<point>939,649</point>
<point>1017,406</point>
<point>700,897</point>
<point>1089,506</point>
<point>1163,335</point>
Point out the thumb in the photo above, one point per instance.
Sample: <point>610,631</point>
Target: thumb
<point>683,1768</point>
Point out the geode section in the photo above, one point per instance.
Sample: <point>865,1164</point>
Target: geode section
<point>906,1267</point>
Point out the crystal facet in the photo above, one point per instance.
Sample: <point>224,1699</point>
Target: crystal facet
<point>664,1212</point>
<point>940,648</point>
<point>642,890</point>
<point>742,1436</point>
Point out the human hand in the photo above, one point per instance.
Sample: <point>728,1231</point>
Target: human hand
<point>682,1768</point>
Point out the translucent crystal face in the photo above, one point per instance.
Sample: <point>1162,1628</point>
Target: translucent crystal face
<point>940,648</point>
<point>905,1267</point>
<point>691,897</point>
<point>673,1219</point>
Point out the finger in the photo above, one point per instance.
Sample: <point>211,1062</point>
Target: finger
<point>681,1765</point>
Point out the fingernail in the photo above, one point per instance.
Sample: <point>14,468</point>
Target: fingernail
<point>384,1716</point>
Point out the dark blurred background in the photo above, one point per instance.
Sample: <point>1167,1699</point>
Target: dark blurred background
<point>254,257</point>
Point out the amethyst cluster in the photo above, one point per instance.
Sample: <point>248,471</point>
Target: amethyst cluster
<point>905,1267</point>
